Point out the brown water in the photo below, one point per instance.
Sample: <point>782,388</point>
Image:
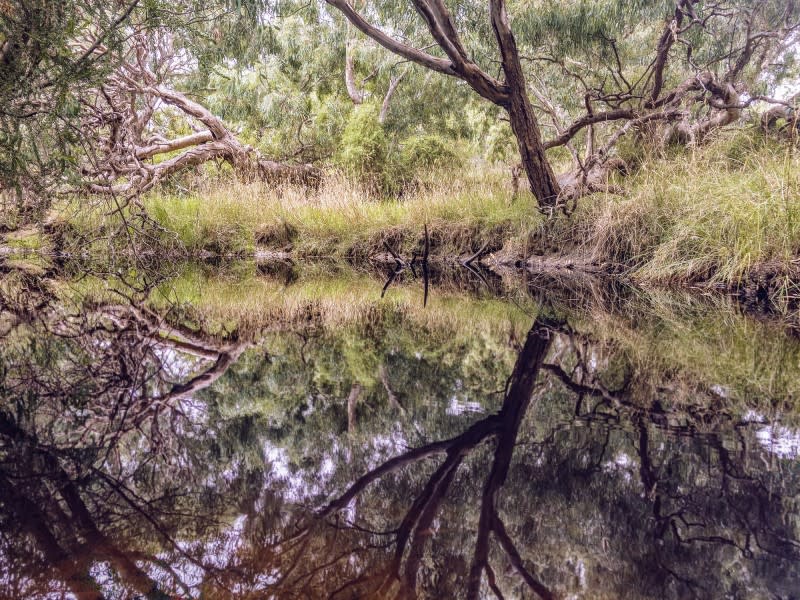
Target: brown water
<point>551,442</point>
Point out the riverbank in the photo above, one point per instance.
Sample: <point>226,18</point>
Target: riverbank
<point>725,216</point>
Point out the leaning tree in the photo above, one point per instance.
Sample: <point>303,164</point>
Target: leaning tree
<point>90,98</point>
<point>51,52</point>
<point>596,71</point>
<point>129,150</point>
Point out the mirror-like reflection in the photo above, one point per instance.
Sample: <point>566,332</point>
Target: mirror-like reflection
<point>152,450</point>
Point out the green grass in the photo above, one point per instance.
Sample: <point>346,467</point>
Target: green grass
<point>26,240</point>
<point>711,215</point>
<point>699,345</point>
<point>714,214</point>
<point>341,220</point>
<point>223,223</point>
<point>27,250</point>
<point>656,337</point>
<point>692,346</point>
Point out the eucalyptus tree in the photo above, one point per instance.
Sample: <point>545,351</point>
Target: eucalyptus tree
<point>121,120</point>
<point>94,404</point>
<point>87,86</point>
<point>140,457</point>
<point>50,54</point>
<point>569,480</point>
<point>509,93</point>
<point>689,67</point>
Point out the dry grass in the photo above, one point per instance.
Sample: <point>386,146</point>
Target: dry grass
<point>710,215</point>
<point>341,219</point>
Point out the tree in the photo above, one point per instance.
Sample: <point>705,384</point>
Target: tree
<point>83,86</point>
<point>630,73</point>
<point>142,457</point>
<point>119,124</point>
<point>50,54</point>
<point>509,94</point>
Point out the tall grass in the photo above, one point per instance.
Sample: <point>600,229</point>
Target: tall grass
<point>713,214</point>
<point>657,338</point>
<point>222,222</point>
<point>342,219</point>
<point>699,344</point>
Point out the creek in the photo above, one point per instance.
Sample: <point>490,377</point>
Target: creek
<point>270,430</point>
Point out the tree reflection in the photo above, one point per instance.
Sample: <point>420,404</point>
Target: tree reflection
<point>142,459</point>
<point>92,407</point>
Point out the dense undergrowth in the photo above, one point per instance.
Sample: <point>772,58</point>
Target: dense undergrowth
<point>713,215</point>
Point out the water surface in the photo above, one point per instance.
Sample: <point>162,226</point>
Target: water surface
<point>277,432</point>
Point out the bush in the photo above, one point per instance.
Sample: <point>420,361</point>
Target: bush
<point>365,154</point>
<point>364,148</point>
<point>418,156</point>
<point>422,152</point>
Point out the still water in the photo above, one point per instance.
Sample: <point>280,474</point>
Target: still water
<point>269,432</point>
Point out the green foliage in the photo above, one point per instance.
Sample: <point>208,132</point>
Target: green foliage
<point>585,24</point>
<point>500,143</point>
<point>279,433</point>
<point>366,154</point>
<point>364,147</point>
<point>286,99</point>
<point>47,73</point>
<point>426,152</point>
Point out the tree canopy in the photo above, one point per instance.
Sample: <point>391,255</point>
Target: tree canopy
<point>118,97</point>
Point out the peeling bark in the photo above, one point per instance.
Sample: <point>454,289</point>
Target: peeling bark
<point>387,99</point>
<point>356,95</point>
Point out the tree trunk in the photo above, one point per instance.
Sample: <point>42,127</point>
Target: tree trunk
<point>387,99</point>
<point>541,178</point>
<point>510,94</point>
<point>127,167</point>
<point>356,95</point>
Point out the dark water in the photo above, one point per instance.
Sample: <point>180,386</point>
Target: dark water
<point>267,436</point>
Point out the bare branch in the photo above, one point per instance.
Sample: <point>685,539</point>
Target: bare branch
<point>414,55</point>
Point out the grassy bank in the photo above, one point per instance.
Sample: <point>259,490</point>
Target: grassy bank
<point>651,340</point>
<point>716,214</point>
<point>244,301</point>
<point>340,220</point>
<point>727,213</point>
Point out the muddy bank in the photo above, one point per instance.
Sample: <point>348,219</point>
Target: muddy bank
<point>769,285</point>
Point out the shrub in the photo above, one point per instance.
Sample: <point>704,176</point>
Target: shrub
<point>364,148</point>
<point>423,152</point>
